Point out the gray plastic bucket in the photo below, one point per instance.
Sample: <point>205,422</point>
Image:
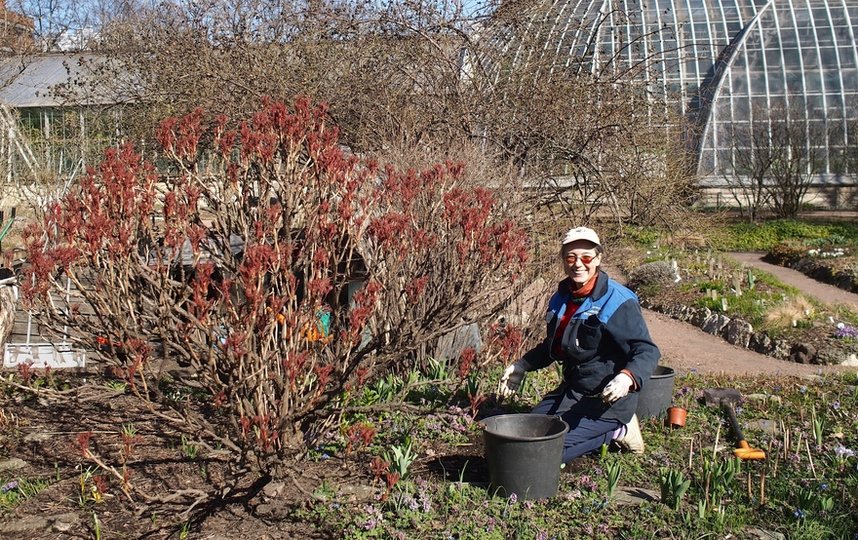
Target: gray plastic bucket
<point>657,393</point>
<point>524,453</point>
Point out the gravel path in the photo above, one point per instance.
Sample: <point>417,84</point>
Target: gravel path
<point>688,349</point>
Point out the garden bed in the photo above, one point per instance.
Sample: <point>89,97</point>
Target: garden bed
<point>804,489</point>
<point>745,306</point>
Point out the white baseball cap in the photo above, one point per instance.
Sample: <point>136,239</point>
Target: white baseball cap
<point>581,233</point>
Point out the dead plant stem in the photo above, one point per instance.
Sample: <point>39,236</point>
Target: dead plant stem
<point>810,459</point>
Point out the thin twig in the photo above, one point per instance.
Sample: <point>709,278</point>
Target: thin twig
<point>715,446</point>
<point>124,483</point>
<point>690,452</point>
<point>798,446</point>
<point>810,459</point>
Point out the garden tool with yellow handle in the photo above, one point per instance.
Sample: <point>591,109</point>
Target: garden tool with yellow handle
<point>726,397</point>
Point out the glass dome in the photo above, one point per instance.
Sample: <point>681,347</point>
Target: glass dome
<point>727,65</point>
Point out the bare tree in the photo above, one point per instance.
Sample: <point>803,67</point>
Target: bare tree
<point>746,178</point>
<point>419,74</point>
<point>776,158</point>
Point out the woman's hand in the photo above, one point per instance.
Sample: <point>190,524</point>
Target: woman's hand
<point>512,377</point>
<point>619,387</point>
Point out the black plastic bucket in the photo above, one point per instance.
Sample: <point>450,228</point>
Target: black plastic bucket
<point>524,453</point>
<point>657,393</point>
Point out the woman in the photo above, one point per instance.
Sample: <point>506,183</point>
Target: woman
<point>597,332</point>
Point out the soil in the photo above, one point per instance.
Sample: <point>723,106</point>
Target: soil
<point>44,433</point>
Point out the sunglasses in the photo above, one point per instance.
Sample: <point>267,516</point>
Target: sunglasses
<point>571,258</point>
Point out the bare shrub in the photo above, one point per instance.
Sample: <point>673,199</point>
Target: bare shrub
<point>281,269</point>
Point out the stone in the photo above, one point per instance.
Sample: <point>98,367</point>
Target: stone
<point>780,349</point>
<point>29,524</point>
<point>714,323</point>
<point>699,317</point>
<point>760,342</point>
<point>762,534</point>
<point>635,496</point>
<point>62,524</point>
<point>802,353</point>
<point>738,332</point>
<point>851,360</point>
<point>13,464</point>
<point>764,425</point>
<point>38,436</point>
<point>273,489</point>
<point>275,510</point>
<point>756,397</point>
<point>357,492</point>
<point>451,345</point>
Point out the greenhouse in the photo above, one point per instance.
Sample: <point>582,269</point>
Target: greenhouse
<point>739,71</point>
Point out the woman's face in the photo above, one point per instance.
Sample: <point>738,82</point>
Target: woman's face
<point>574,255</point>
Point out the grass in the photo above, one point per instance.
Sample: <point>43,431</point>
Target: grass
<point>14,491</point>
<point>765,235</point>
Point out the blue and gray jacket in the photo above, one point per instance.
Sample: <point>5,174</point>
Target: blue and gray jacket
<point>605,335</point>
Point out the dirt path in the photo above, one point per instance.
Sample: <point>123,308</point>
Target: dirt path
<point>686,348</point>
<point>821,291</point>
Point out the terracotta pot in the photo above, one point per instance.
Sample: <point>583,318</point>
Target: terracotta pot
<point>676,416</point>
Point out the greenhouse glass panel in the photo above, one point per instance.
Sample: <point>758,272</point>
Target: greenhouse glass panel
<point>831,78</point>
<point>836,137</point>
<point>815,106</point>
<point>758,83</point>
<point>810,57</point>
<point>741,108</point>
<point>776,82</point>
<point>828,56</point>
<point>846,55</point>
<point>778,103</point>
<point>841,34</point>
<point>792,58</point>
<point>850,79</point>
<point>812,82</point>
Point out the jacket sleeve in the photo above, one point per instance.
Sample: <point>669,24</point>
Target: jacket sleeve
<point>538,357</point>
<point>629,330</point>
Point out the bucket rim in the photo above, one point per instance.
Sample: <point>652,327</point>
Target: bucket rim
<point>526,439</point>
<point>665,372</point>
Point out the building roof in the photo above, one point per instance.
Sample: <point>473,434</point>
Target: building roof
<point>32,80</point>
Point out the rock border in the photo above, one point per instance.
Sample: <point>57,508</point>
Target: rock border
<point>742,334</point>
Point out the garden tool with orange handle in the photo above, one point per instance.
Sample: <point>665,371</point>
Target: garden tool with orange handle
<point>744,450</point>
<point>726,397</point>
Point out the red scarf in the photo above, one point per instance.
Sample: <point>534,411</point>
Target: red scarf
<point>571,307</point>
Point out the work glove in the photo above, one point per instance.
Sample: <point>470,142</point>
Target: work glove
<point>512,376</point>
<point>618,387</point>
